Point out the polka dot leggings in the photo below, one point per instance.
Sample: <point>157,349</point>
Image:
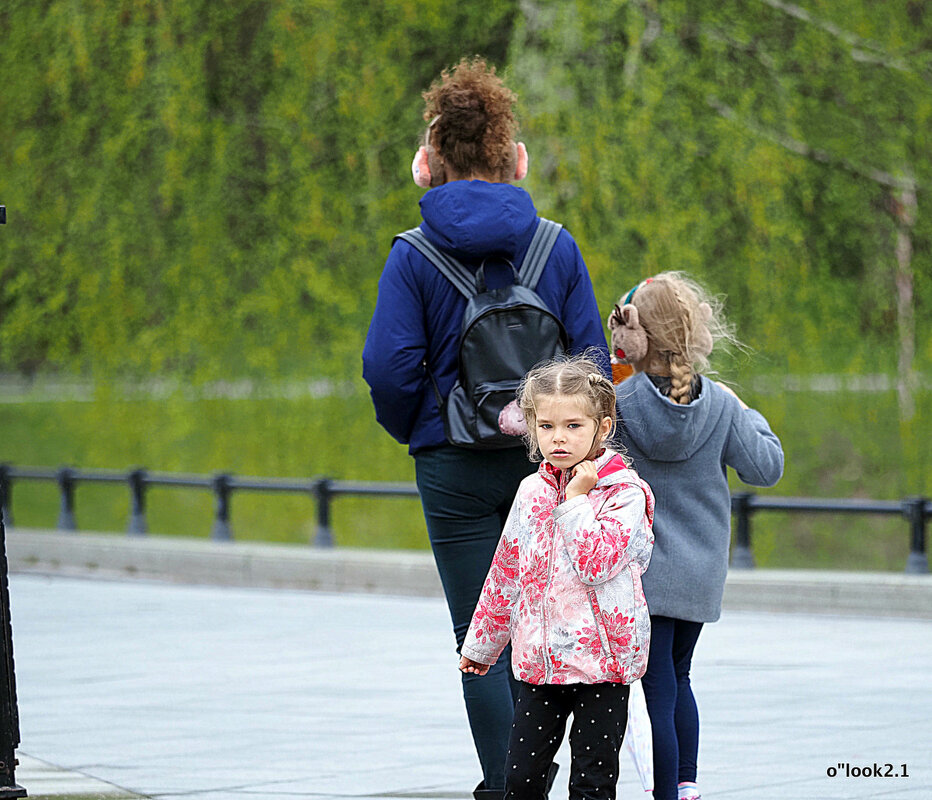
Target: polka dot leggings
<point>600,713</point>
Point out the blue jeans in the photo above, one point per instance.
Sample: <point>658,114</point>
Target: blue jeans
<point>671,706</point>
<point>466,495</point>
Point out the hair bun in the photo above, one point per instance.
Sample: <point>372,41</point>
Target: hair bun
<point>596,377</point>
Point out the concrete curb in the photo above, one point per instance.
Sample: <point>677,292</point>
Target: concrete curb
<point>186,560</point>
<point>412,573</point>
<point>45,781</point>
<point>872,594</point>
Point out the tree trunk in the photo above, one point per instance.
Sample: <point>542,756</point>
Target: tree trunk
<point>906,321</point>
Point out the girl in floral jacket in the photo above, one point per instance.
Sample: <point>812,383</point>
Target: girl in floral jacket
<point>565,586</point>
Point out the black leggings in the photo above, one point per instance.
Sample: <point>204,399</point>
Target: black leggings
<point>600,714</point>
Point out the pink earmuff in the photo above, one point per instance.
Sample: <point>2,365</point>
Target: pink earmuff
<point>521,167</point>
<point>420,171</point>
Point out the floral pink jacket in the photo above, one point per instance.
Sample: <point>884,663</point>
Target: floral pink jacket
<point>565,583</point>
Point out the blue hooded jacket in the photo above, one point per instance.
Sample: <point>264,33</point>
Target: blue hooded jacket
<point>419,313</point>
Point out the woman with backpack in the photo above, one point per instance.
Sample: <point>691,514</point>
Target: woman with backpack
<point>411,358</point>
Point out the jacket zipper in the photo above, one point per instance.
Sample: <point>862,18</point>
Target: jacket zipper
<point>548,656</point>
<point>600,628</point>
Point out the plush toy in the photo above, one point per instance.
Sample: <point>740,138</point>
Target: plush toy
<point>511,421</point>
<point>628,340</point>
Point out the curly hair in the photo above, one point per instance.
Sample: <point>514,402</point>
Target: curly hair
<point>474,125</point>
<point>683,323</point>
<point>572,376</point>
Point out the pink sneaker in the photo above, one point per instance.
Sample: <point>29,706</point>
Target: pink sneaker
<point>688,791</point>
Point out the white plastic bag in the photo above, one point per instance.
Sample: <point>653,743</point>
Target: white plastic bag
<point>639,738</point>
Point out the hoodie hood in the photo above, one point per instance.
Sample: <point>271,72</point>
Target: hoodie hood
<point>472,219</point>
<point>662,429</point>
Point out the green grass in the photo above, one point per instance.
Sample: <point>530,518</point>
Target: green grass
<point>842,444</point>
<point>300,438</point>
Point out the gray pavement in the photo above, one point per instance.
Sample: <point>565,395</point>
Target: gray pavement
<point>135,687</point>
<point>412,572</point>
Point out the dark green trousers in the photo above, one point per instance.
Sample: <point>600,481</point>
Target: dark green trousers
<point>466,495</point>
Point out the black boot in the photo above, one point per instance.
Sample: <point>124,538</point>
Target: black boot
<point>481,793</point>
<point>551,776</point>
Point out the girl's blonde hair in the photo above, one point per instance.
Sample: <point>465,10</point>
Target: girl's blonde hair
<point>572,376</point>
<point>683,323</point>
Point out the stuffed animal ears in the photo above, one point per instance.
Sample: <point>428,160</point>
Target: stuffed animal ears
<point>420,170</point>
<point>629,339</point>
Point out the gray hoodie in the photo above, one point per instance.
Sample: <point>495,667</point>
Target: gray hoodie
<point>682,453</point>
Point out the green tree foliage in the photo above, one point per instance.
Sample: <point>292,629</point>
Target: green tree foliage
<point>757,145</point>
<point>210,188</point>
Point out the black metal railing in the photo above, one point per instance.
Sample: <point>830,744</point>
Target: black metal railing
<point>323,491</point>
<point>916,510</point>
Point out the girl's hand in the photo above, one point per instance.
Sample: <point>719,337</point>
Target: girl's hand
<point>732,393</point>
<point>585,476</point>
<point>468,665</point>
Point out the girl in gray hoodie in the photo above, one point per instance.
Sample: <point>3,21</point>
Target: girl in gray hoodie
<point>681,431</point>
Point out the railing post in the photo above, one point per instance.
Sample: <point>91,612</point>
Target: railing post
<point>914,508</point>
<point>65,478</point>
<point>222,489</point>
<point>6,494</point>
<point>9,713</point>
<point>137,503</point>
<point>323,490</point>
<point>741,557</point>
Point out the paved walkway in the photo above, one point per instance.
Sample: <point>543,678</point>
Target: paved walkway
<point>217,693</point>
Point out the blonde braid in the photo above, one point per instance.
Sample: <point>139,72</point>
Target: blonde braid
<point>681,370</point>
<point>681,379</point>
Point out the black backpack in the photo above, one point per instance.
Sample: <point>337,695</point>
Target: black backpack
<point>505,333</point>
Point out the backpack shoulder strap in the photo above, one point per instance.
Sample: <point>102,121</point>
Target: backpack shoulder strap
<point>449,267</point>
<point>538,251</point>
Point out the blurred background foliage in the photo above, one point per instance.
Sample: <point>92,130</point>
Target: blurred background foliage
<point>202,192</point>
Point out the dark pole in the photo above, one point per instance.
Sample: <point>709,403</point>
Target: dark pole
<point>9,714</point>
<point>137,508</point>
<point>66,486</point>
<point>6,494</point>
<point>741,557</point>
<point>917,563</point>
<point>222,489</point>
<point>324,492</point>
